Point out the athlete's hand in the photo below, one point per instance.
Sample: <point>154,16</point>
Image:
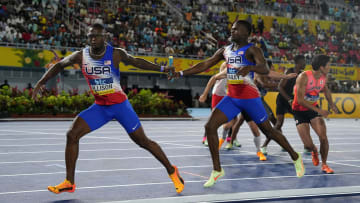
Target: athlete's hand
<point>202,98</point>
<point>290,101</point>
<point>291,75</point>
<point>169,69</point>
<point>335,109</point>
<point>173,75</point>
<point>38,87</point>
<point>324,113</point>
<point>243,71</point>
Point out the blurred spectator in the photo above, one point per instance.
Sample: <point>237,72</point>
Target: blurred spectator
<point>6,84</point>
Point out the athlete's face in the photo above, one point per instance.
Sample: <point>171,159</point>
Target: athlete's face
<point>96,38</point>
<point>239,33</point>
<point>325,70</point>
<point>301,64</point>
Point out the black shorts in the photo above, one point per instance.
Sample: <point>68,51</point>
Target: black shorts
<point>282,106</point>
<point>305,116</point>
<point>267,107</point>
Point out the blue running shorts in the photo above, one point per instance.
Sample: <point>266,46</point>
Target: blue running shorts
<point>98,115</point>
<point>231,107</point>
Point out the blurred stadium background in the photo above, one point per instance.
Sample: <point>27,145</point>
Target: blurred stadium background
<point>36,33</point>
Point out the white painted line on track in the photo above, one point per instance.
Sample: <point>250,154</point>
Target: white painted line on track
<point>193,174</point>
<point>257,196</point>
<point>32,132</point>
<point>139,169</point>
<point>165,142</point>
<point>257,163</point>
<point>118,158</point>
<point>96,150</point>
<point>188,182</point>
<point>24,139</point>
<point>57,165</point>
<point>130,142</point>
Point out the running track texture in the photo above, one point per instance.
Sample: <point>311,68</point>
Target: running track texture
<point>111,168</point>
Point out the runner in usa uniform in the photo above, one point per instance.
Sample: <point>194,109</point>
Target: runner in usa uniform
<point>100,66</point>
<point>243,60</point>
<point>306,110</point>
<point>263,82</point>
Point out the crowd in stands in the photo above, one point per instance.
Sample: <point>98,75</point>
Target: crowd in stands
<point>36,22</point>
<point>150,27</point>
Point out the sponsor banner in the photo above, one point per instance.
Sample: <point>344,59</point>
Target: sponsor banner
<point>348,104</point>
<point>340,73</point>
<point>14,57</point>
<point>268,21</point>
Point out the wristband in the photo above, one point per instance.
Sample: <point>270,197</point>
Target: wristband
<point>181,73</point>
<point>162,68</point>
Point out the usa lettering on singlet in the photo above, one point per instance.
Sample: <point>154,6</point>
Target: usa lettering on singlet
<point>238,86</point>
<point>312,91</point>
<point>102,77</point>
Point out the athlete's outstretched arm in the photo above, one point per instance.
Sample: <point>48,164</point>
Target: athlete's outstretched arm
<point>264,81</point>
<point>212,81</point>
<point>55,69</point>
<point>277,76</point>
<point>204,65</point>
<point>328,97</point>
<point>139,62</point>
<point>301,82</point>
<point>261,66</point>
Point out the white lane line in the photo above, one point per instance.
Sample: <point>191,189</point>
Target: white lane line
<point>338,163</point>
<point>167,148</point>
<point>40,138</point>
<point>188,182</point>
<point>57,165</point>
<point>97,150</point>
<point>81,143</point>
<point>193,174</point>
<point>117,158</point>
<point>159,141</point>
<point>257,196</point>
<point>32,132</point>
<point>139,169</point>
<point>164,142</point>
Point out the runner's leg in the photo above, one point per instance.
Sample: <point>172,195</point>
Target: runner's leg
<point>78,129</point>
<point>318,124</point>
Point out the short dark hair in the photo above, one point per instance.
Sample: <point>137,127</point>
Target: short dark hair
<point>319,60</point>
<point>98,26</point>
<point>297,58</point>
<point>269,62</point>
<point>244,23</point>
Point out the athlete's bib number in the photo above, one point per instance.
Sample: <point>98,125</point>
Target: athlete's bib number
<point>102,86</point>
<point>311,98</point>
<point>235,79</point>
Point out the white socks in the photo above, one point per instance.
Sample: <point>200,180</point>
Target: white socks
<point>257,142</point>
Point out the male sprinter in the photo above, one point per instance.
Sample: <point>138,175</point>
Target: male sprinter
<point>285,96</point>
<point>100,66</point>
<point>263,82</point>
<point>306,109</point>
<point>243,60</point>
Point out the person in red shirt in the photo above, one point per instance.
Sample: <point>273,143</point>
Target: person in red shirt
<point>308,86</point>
